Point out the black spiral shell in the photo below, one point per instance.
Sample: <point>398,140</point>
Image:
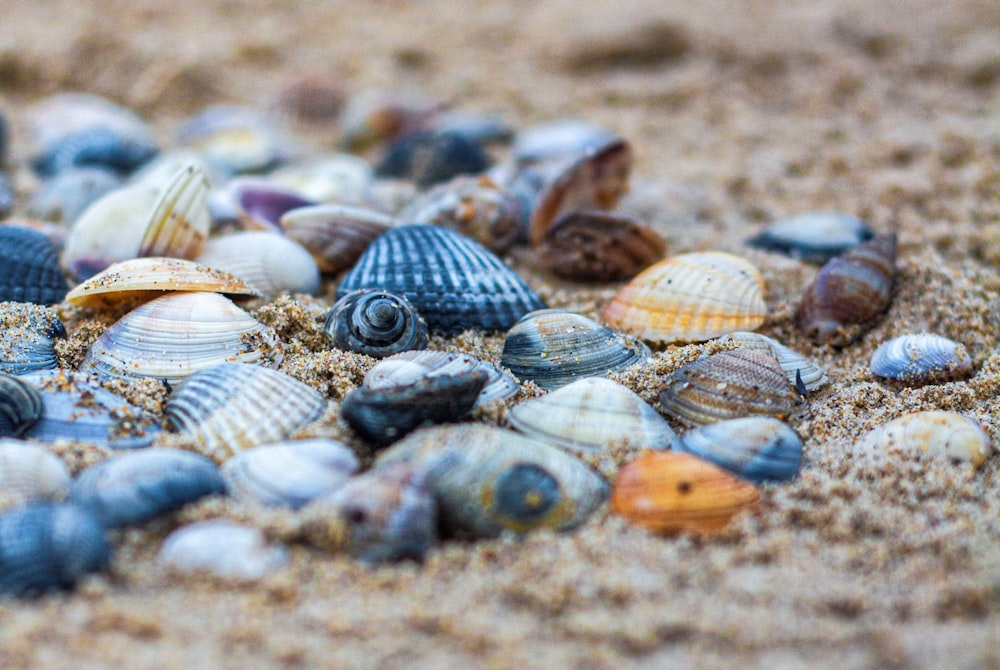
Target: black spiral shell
<point>376,323</point>
<point>31,271</point>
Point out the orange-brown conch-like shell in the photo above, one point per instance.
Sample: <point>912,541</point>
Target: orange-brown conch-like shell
<point>668,492</point>
<point>690,298</point>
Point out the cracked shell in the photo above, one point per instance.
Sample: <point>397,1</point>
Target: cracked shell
<point>935,433</point>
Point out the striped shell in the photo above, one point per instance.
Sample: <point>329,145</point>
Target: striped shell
<point>936,433</point>
<point>335,235</point>
<point>375,323</point>
<point>174,336</point>
<point>802,373</point>
<point>21,406</point>
<point>410,366</point>
<point>223,549</point>
<point>728,385</point>
<point>598,246</point>
<point>554,347</point>
<point>29,472</point>
<point>268,261</point>
<point>231,407</point>
<point>921,358</point>
<point>179,222</point>
<point>690,298</point>
<point>667,493</point>
<point>31,271</point>
<point>454,282</point>
<point>757,449</point>
<point>27,337</point>
<point>814,237</point>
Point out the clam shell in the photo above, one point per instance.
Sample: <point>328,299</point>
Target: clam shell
<point>289,474</point>
<point>335,235</point>
<point>409,367</point>
<point>814,237</point>
<point>20,406</point>
<point>267,261</point>
<point>29,472</point>
<point>267,202</point>
<point>597,246</point>
<point>690,298</point>
<point>920,358</point>
<point>728,385</point>
<point>936,433</point>
<point>234,139</point>
<point>454,282</point>
<point>31,271</point>
<point>222,549</point>
<point>179,222</point>
<point>554,347</point>
<point>375,323</point>
<point>488,479</point>
<point>802,373</point>
<point>45,547</point>
<point>231,407</point>
<point>140,485</point>
<point>97,146</point>
<point>428,157</point>
<point>337,177</point>
<point>591,415</point>
<point>27,337</point>
<point>559,140</point>
<point>667,493</point>
<point>178,334</point>
<point>757,449</point>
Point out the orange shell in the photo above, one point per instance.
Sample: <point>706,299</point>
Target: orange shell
<point>668,492</point>
<point>690,298</point>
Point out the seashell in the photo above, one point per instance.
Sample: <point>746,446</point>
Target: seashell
<point>21,406</point>
<point>31,271</point>
<point>813,237</point>
<point>222,549</point>
<point>234,139</point>
<point>375,116</point>
<point>560,140</point>
<point>339,177</point>
<point>596,180</point>
<point>851,289</point>
<point>428,157</point>
<point>268,202</point>
<point>375,323</point>
<point>554,347</point>
<point>29,472</point>
<point>802,373</point>
<point>921,358</point>
<point>64,197</point>
<point>335,235</point>
<point>592,415</point>
<point>179,222</point>
<point>596,246</point>
<point>474,206</point>
<point>289,474</point>
<point>27,337</point>
<point>480,128</point>
<point>78,409</point>
<point>487,480</point>
<point>409,367</point>
<point>757,449</point>
<point>667,493</point>
<point>140,485</point>
<point>382,416</point>
<point>387,514</point>
<point>313,98</point>
<point>690,298</point>
<point>454,282</point>
<point>937,434</point>
<point>728,385</point>
<point>268,261</point>
<point>178,334</point>
<point>45,547</point>
<point>98,146</point>
<point>149,278</point>
<point>231,407</point>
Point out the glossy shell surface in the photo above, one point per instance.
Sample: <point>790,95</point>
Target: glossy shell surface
<point>757,449</point>
<point>802,373</point>
<point>31,271</point>
<point>410,366</point>
<point>335,235</point>
<point>375,323</point>
<point>934,433</point>
<point>598,246</point>
<point>814,237</point>
<point>222,549</point>
<point>921,358</point>
<point>21,406</point>
<point>268,261</point>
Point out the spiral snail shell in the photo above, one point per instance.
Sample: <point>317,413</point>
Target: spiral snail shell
<point>376,323</point>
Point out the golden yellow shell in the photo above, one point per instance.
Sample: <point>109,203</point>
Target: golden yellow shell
<point>690,298</point>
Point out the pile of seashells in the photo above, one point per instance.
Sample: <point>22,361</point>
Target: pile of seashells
<point>178,242</point>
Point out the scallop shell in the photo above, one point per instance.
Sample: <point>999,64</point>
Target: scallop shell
<point>728,385</point>
<point>921,358</point>
<point>29,472</point>
<point>231,407</point>
<point>488,479</point>
<point>428,157</point>
<point>31,271</point>
<point>21,406</point>
<point>802,373</point>
<point>814,237</point>
<point>690,298</point>
<point>27,337</point>
<point>375,323</point>
<point>222,549</point>
<point>289,474</point>
<point>268,261</point>
<point>851,289</point>
<point>335,235</point>
<point>667,493</point>
<point>454,282</point>
<point>936,433</point>
<point>591,415</point>
<point>757,449</point>
<point>410,366</point>
<point>554,347</point>
<point>174,336</point>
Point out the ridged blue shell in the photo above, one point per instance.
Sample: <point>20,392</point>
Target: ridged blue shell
<point>921,357</point>
<point>758,449</point>
<point>31,271</point>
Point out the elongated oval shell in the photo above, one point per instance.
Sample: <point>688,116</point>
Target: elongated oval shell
<point>728,385</point>
<point>935,433</point>
<point>27,337</point>
<point>802,373</point>
<point>268,261</point>
<point>757,449</point>
<point>227,408</point>
<point>488,479</point>
<point>289,474</point>
<point>554,347</point>
<point>21,406</point>
<point>667,493</point>
<point>410,366</point>
<point>597,246</point>
<point>690,298</point>
<point>376,323</point>
<point>591,415</point>
<point>454,282</point>
<point>851,289</point>
<point>814,237</point>
<point>29,472</point>
<point>31,271</point>
<point>174,336</point>
<point>921,358</point>
<point>335,235</point>
<point>222,549</point>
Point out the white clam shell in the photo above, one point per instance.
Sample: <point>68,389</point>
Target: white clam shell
<point>408,367</point>
<point>796,366</point>
<point>922,357</point>
<point>937,433</point>
<point>270,262</point>
<point>222,549</point>
<point>29,472</point>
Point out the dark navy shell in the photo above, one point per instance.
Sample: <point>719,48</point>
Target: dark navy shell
<point>20,406</point>
<point>97,146</point>
<point>31,271</point>
<point>429,157</point>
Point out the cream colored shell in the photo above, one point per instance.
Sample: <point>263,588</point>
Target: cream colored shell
<point>937,433</point>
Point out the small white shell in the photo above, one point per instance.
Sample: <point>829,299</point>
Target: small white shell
<point>799,369</point>
<point>919,358</point>
<point>936,433</point>
<point>270,262</point>
<point>223,549</point>
<point>29,472</point>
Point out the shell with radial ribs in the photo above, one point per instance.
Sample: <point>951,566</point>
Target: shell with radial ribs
<point>21,406</point>
<point>598,246</point>
<point>921,358</point>
<point>27,337</point>
<point>375,323</point>
<point>935,433</point>
<point>268,261</point>
<point>335,235</point>
<point>756,448</point>
<point>31,271</point>
<point>802,373</point>
<point>410,366</point>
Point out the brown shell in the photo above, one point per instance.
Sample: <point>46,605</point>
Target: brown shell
<point>668,492</point>
<point>597,246</point>
<point>850,289</point>
<point>335,235</point>
<point>728,385</point>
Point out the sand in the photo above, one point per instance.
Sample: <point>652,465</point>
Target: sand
<point>739,113</point>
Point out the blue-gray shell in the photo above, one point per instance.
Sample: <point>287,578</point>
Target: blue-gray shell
<point>758,449</point>
<point>921,357</point>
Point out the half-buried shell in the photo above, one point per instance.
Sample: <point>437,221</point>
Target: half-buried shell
<point>814,237</point>
<point>222,549</point>
<point>935,433</point>
<point>802,373</point>
<point>375,323</point>
<point>598,246</point>
<point>758,449</point>
<point>27,337</point>
<point>921,358</point>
